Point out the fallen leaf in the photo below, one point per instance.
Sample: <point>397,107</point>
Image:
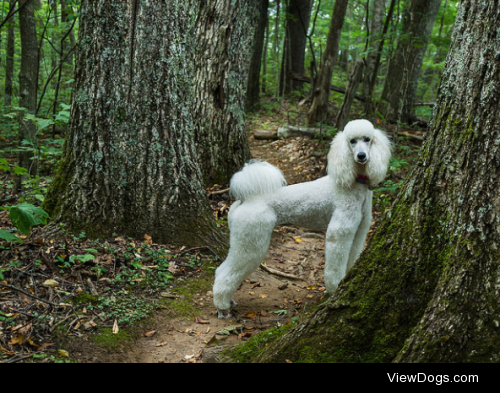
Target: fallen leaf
<point>200,321</point>
<point>6,353</point>
<point>215,341</point>
<point>230,329</point>
<point>263,296</point>
<point>45,346</point>
<point>63,353</point>
<point>51,283</point>
<point>30,342</point>
<point>256,285</point>
<point>116,329</point>
<point>17,340</point>
<point>250,315</point>
<point>244,335</point>
<point>162,344</point>
<point>148,240</point>
<point>25,329</point>
<point>150,334</point>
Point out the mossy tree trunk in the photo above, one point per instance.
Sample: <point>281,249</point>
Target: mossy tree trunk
<point>427,288</point>
<point>225,32</point>
<point>129,164</point>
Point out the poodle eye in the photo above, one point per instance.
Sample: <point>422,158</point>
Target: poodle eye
<point>367,139</point>
<point>353,141</point>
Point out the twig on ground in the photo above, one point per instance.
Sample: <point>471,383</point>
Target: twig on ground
<point>275,272</point>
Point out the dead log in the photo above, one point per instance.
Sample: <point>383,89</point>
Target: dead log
<point>291,131</point>
<point>265,134</point>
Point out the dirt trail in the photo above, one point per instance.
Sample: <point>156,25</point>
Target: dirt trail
<point>292,281</point>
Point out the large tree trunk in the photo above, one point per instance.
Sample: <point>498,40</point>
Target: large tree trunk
<point>225,30</point>
<point>405,67</point>
<point>427,287</point>
<point>297,25</point>
<point>129,165</point>
<point>28,83</point>
<point>319,108</point>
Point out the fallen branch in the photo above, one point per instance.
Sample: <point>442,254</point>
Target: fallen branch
<point>275,272</point>
<point>29,295</point>
<point>218,192</point>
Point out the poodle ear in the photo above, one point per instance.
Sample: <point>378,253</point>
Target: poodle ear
<point>340,162</point>
<point>380,154</point>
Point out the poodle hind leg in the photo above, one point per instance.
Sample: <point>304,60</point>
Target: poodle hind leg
<point>250,238</point>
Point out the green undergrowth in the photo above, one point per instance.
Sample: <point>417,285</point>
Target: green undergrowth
<point>106,339</point>
<point>255,346</point>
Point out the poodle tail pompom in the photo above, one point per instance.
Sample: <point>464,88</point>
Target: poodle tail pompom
<point>256,178</point>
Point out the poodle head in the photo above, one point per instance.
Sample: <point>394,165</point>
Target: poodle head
<point>360,149</point>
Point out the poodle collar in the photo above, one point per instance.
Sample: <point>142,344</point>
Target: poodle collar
<point>366,181</point>
<point>363,180</point>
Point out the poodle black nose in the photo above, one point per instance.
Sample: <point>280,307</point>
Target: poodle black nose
<point>362,156</point>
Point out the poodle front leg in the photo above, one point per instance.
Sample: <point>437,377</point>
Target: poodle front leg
<point>339,241</point>
<point>363,229</point>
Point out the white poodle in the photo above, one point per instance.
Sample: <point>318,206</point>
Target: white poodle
<point>339,203</point>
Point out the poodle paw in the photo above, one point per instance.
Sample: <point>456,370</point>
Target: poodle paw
<point>223,314</point>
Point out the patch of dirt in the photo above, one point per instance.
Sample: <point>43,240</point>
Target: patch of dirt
<point>265,300</point>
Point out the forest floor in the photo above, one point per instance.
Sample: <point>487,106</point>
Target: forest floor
<point>124,300</point>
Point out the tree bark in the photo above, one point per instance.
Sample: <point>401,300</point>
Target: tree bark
<point>297,24</point>
<point>9,57</point>
<point>405,67</point>
<point>129,165</point>
<point>376,28</point>
<point>28,84</point>
<point>225,30</point>
<point>253,89</point>
<point>427,289</point>
<point>352,87</point>
<point>319,108</point>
